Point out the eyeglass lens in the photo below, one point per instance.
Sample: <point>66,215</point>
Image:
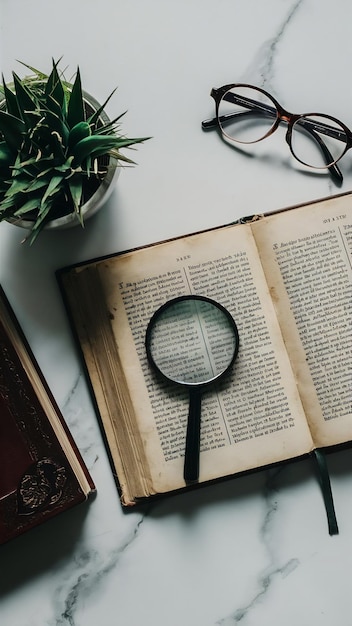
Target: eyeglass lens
<point>318,140</point>
<point>247,115</point>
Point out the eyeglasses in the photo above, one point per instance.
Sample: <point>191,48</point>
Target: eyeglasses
<point>246,114</point>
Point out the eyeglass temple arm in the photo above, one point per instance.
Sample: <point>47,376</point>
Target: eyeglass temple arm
<point>310,126</point>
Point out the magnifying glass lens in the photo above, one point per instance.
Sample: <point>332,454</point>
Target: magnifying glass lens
<point>192,341</point>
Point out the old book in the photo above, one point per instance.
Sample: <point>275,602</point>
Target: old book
<point>41,470</point>
<point>286,280</point>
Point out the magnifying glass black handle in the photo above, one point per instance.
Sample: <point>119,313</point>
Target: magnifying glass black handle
<point>191,466</point>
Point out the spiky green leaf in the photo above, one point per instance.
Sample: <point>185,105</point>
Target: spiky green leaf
<point>77,133</point>
<point>25,101</point>
<point>37,184</point>
<point>18,185</point>
<point>96,115</point>
<point>97,145</point>
<point>38,73</point>
<point>52,188</point>
<point>10,100</point>
<point>109,128</point>
<point>6,156</point>
<point>55,90</point>
<point>42,218</point>
<point>121,157</point>
<point>75,110</point>
<point>12,129</point>
<point>53,121</point>
<point>31,205</point>
<point>6,204</point>
<point>75,184</point>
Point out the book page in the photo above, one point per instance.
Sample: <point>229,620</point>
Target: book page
<point>251,419</point>
<point>307,254</point>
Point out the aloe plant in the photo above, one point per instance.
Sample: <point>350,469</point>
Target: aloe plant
<point>51,150</point>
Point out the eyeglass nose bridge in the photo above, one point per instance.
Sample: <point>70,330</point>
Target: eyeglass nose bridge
<point>288,135</point>
<point>290,119</point>
<point>287,118</point>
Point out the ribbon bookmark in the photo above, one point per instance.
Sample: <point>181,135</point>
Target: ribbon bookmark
<point>327,493</point>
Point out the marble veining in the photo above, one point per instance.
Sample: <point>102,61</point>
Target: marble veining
<point>262,65</point>
<point>85,575</point>
<point>75,406</point>
<point>273,569</point>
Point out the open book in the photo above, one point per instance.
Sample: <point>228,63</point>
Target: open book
<point>286,280</point>
<point>41,470</point>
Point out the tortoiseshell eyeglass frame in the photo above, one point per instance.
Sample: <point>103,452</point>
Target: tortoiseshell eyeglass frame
<point>327,124</point>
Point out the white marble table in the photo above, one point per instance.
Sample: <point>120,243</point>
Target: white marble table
<point>255,550</point>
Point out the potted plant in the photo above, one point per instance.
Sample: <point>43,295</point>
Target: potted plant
<point>59,151</point>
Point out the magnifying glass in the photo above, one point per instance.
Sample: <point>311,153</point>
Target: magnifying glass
<point>192,341</point>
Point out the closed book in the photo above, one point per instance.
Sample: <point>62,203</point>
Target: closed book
<point>42,472</point>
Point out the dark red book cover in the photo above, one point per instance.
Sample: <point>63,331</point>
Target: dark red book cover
<point>41,470</point>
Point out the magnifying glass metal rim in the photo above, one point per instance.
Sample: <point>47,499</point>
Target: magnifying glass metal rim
<point>169,304</point>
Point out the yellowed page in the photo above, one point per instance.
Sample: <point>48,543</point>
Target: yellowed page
<point>307,255</point>
<point>255,417</point>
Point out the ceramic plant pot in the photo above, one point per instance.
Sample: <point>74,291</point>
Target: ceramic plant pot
<point>98,197</point>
